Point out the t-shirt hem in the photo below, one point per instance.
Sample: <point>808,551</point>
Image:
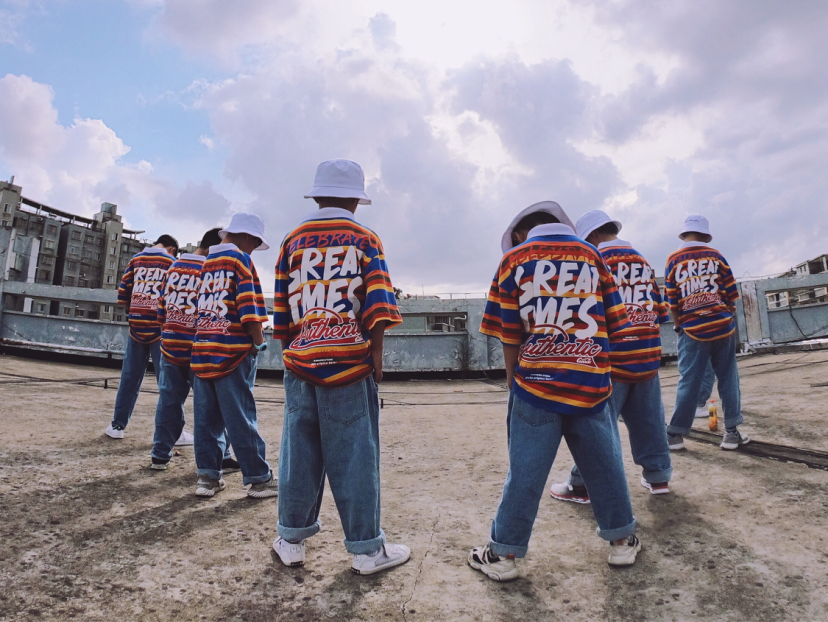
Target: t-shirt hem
<point>555,406</point>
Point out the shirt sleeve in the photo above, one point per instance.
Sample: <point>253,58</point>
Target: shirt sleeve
<point>127,282</point>
<point>281,296</point>
<point>380,302</point>
<point>731,292</point>
<point>660,303</point>
<point>250,304</point>
<point>670,286</point>
<point>162,303</point>
<point>502,313</point>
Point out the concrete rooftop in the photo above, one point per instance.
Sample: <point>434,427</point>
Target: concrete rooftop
<point>89,532</point>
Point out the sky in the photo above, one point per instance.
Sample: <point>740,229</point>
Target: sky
<point>183,112</point>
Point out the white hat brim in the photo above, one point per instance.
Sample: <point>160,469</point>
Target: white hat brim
<point>339,193</point>
<point>550,207</point>
<point>261,247</point>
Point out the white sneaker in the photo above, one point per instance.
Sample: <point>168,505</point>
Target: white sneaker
<point>114,432</point>
<point>494,567</point>
<point>624,554</point>
<point>702,412</point>
<point>207,487</point>
<point>388,556</point>
<point>291,554</point>
<point>185,439</point>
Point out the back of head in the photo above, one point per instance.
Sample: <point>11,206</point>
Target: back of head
<point>211,238</point>
<point>168,241</point>
<point>530,221</point>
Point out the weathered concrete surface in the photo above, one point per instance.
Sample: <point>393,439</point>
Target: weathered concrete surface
<point>90,533</point>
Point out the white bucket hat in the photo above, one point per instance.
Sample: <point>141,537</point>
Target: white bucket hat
<point>591,221</point>
<point>339,178</point>
<point>550,207</point>
<point>696,224</point>
<point>247,223</point>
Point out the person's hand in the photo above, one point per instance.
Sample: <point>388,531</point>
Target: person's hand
<point>378,372</point>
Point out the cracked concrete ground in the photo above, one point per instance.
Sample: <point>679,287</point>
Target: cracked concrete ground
<point>90,533</point>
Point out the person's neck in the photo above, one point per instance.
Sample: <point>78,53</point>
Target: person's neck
<point>351,209</point>
<point>202,252</point>
<point>695,238</point>
<point>604,237</point>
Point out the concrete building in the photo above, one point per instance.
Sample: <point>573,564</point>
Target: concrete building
<point>44,245</point>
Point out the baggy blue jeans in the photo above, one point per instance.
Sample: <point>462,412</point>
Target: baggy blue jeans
<point>693,359</point>
<point>174,386</point>
<point>227,403</point>
<point>534,437</point>
<point>333,431</point>
<point>707,386</point>
<point>643,410</point>
<point>136,357</point>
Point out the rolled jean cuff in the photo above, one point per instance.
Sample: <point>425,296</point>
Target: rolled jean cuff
<point>211,473</point>
<point>297,534</point>
<point>157,456</point>
<point>657,477</point>
<point>257,479</point>
<point>674,429</point>
<point>362,547</point>
<point>502,550</point>
<point>616,534</point>
<point>733,422</point>
<point>575,478</point>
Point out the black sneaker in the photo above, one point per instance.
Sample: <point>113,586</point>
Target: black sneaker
<point>158,464</point>
<point>229,465</point>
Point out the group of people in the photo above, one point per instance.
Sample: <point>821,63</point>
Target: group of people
<point>577,311</point>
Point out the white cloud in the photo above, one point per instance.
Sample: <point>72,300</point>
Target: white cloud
<point>207,142</point>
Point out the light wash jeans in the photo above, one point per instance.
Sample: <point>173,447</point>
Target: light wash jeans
<point>228,403</point>
<point>136,357</point>
<point>534,437</point>
<point>693,359</point>
<point>333,431</point>
<point>707,386</point>
<point>643,411</point>
<point>174,386</point>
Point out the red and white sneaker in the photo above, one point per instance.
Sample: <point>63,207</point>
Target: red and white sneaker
<point>661,488</point>
<point>567,492</point>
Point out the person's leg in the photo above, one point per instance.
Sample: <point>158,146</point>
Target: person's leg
<point>238,408</point>
<point>173,389</point>
<point>133,369</point>
<point>723,357</point>
<point>155,354</point>
<point>707,386</point>
<point>596,448</point>
<point>643,413</point>
<point>208,429</point>
<point>535,437</point>
<point>693,358</point>
<point>349,425</point>
<point>301,464</point>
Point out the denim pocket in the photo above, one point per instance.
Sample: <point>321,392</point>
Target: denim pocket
<point>534,416</point>
<point>345,404</point>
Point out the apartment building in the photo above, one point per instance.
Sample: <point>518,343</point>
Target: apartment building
<point>41,244</point>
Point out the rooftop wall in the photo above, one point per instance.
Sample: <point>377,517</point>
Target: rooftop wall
<point>409,348</point>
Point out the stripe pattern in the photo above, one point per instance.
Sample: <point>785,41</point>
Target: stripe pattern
<point>554,297</point>
<point>332,287</point>
<point>700,288</point>
<point>140,290</point>
<point>178,309</point>
<point>636,353</point>
<point>229,296</point>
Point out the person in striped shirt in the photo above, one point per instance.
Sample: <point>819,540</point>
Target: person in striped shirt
<point>177,314</point>
<point>139,292</point>
<point>228,340</point>
<point>635,358</point>
<point>333,302</point>
<point>702,295</point>
<point>555,308</point>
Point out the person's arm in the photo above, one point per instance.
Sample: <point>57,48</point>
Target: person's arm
<point>510,358</point>
<point>377,343</point>
<point>674,314</point>
<point>254,329</point>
